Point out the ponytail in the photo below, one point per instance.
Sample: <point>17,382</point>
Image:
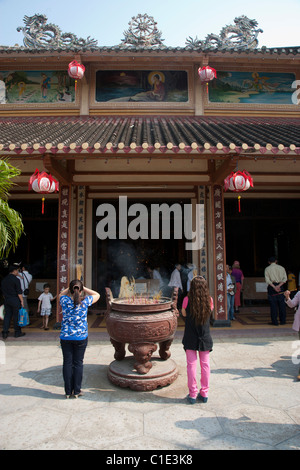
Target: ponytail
<point>76,295</point>
<point>76,287</point>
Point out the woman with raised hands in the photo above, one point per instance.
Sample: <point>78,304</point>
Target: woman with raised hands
<point>75,301</point>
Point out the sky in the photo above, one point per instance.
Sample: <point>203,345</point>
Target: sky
<point>106,20</point>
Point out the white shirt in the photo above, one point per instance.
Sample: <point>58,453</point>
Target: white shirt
<point>275,273</point>
<point>175,280</point>
<point>25,280</point>
<point>46,299</point>
<point>156,275</point>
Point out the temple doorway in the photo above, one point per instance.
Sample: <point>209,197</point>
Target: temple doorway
<point>37,247</point>
<point>263,228</point>
<point>115,258</point>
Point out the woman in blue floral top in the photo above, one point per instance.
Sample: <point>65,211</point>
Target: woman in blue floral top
<point>75,301</point>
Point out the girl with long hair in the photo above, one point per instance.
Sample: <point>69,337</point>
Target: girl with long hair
<point>75,301</point>
<point>197,308</point>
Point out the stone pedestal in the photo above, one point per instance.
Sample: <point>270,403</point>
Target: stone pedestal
<point>124,374</point>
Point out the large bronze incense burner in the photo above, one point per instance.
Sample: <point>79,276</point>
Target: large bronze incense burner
<point>142,322</point>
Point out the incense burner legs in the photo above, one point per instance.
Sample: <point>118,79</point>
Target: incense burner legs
<point>142,353</point>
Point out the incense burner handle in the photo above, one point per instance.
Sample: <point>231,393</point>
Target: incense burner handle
<point>174,300</point>
<point>109,298</point>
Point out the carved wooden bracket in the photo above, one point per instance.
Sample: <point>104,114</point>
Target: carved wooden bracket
<point>57,170</point>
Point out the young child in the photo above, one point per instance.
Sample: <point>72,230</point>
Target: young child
<point>294,302</point>
<point>197,308</point>
<point>44,305</point>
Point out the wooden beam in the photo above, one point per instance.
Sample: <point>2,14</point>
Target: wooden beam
<point>224,170</point>
<point>57,170</point>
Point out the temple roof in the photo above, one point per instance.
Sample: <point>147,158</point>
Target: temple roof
<point>140,134</point>
<point>119,49</point>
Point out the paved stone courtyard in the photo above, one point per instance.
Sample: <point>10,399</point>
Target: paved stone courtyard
<point>254,400</point>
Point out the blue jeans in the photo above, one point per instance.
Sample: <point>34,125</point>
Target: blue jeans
<point>73,354</point>
<point>230,306</point>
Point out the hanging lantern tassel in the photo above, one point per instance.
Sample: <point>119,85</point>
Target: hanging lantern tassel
<point>43,205</point>
<point>239,202</point>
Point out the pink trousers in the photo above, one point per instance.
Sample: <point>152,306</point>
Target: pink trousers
<point>191,360</point>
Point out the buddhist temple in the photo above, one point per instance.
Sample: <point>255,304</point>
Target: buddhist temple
<point>141,127</point>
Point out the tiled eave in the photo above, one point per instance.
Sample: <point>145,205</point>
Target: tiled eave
<point>148,134</point>
<point>145,51</point>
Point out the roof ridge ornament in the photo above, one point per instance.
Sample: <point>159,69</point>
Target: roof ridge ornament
<point>242,35</point>
<point>142,32</point>
<point>38,34</point>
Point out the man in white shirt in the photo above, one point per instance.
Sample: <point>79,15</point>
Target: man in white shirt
<point>275,277</point>
<point>175,280</point>
<point>25,279</point>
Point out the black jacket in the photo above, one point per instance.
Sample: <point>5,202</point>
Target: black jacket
<point>196,337</point>
<point>11,287</point>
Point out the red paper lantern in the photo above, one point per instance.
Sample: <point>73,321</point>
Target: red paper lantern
<point>237,182</point>
<point>207,74</point>
<point>42,183</point>
<point>76,71</point>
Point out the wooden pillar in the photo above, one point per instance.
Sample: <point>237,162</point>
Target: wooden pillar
<point>219,255</point>
<point>63,249</point>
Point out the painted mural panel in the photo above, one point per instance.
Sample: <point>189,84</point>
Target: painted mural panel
<point>23,86</point>
<point>252,87</point>
<point>141,86</point>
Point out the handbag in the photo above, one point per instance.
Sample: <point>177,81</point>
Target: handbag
<point>230,289</point>
<point>23,319</point>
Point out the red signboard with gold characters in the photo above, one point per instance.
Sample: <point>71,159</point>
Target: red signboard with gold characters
<point>63,251</point>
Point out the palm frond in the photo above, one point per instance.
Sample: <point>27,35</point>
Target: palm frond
<point>7,173</point>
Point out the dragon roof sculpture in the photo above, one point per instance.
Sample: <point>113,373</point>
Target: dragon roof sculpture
<point>241,35</point>
<point>38,34</point>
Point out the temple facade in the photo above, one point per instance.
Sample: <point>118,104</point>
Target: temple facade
<point>141,145</point>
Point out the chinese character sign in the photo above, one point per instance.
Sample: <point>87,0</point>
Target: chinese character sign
<point>203,250</point>
<point>219,244</point>
<point>63,242</point>
<point>80,232</point>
